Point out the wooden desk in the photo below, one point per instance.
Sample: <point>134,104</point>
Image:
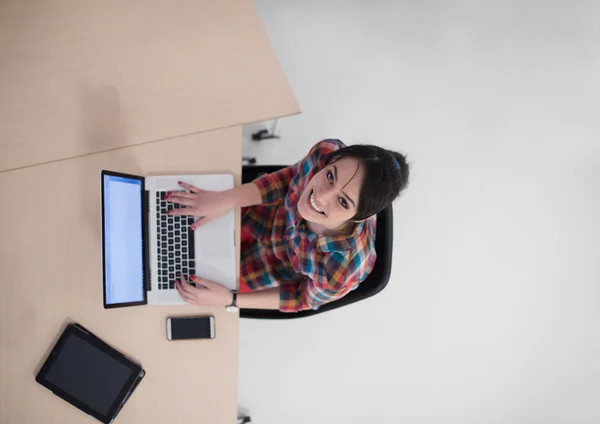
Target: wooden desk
<point>79,77</point>
<point>50,257</point>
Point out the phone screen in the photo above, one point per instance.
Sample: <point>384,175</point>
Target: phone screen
<point>191,328</point>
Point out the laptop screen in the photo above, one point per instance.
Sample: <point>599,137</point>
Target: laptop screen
<point>123,240</point>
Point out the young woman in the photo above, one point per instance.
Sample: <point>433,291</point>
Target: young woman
<point>308,231</point>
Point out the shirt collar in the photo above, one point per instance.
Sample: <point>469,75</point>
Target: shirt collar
<point>340,243</point>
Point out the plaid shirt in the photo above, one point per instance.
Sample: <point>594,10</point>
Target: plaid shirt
<point>309,269</point>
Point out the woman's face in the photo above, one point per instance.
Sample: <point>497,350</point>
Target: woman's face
<point>331,196</point>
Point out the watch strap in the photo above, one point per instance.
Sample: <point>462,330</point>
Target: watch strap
<point>234,300</point>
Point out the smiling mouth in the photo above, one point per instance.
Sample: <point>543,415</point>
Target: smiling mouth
<point>313,203</point>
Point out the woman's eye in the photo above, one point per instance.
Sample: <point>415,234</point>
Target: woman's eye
<point>330,177</point>
<point>343,203</point>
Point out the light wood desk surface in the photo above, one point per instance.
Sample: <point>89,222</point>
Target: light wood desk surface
<point>79,77</point>
<point>50,257</point>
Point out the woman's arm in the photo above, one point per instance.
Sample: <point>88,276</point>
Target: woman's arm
<point>209,205</point>
<point>245,195</point>
<point>209,293</point>
<point>264,299</point>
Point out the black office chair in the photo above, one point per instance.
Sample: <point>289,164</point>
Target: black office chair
<point>373,284</point>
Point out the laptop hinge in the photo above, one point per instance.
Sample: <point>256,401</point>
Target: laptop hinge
<point>146,239</point>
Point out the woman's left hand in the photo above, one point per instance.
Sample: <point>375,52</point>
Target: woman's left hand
<point>206,293</point>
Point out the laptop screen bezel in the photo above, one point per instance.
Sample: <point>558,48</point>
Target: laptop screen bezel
<point>145,243</point>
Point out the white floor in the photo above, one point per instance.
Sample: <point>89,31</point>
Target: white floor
<point>492,314</point>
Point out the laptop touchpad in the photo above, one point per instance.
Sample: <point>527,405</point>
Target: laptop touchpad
<point>213,243</point>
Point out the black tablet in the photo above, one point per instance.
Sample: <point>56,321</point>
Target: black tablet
<point>89,374</point>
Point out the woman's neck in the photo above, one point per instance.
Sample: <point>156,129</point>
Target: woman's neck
<point>319,229</point>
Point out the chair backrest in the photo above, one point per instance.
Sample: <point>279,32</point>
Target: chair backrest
<point>373,284</point>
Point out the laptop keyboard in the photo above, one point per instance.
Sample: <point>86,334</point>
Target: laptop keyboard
<point>175,244</point>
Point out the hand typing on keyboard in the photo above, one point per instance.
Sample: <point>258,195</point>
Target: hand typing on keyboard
<point>206,293</point>
<point>205,204</point>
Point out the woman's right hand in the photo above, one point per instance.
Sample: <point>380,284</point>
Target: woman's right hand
<point>207,205</point>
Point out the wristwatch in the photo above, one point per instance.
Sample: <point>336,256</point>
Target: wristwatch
<point>233,307</point>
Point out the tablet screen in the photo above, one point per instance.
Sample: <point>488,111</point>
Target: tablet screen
<point>89,374</point>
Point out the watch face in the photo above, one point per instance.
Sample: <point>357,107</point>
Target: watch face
<point>232,309</point>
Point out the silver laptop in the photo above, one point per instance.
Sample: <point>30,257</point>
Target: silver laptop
<point>144,250</point>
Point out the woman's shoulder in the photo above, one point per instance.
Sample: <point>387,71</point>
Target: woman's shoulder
<point>315,159</point>
<point>324,147</point>
<point>364,252</point>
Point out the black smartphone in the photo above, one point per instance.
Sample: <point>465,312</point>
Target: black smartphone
<point>186,328</point>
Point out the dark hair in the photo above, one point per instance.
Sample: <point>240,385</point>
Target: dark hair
<point>386,175</point>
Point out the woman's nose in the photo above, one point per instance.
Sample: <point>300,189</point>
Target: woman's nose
<point>326,195</point>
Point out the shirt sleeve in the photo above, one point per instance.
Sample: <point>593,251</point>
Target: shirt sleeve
<point>327,283</point>
<point>274,186</point>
